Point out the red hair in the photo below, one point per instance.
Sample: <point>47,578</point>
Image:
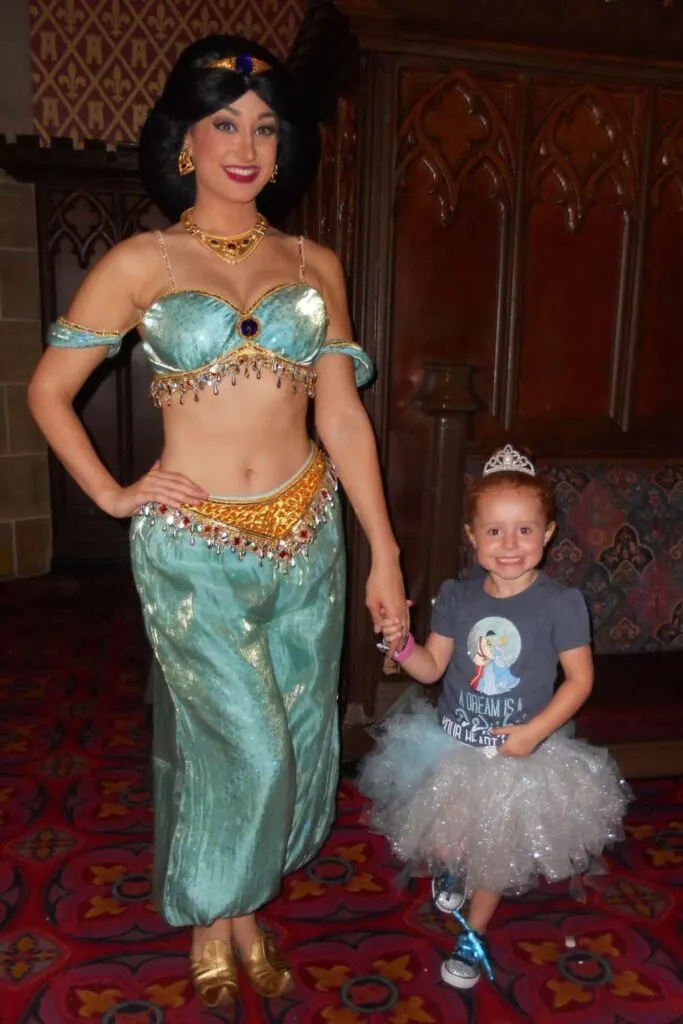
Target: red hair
<point>483,484</point>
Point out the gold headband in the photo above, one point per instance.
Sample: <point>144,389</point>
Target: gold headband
<point>243,64</point>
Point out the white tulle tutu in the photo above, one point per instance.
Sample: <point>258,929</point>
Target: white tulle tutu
<point>499,823</point>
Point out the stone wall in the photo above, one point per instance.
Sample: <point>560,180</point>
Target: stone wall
<point>25,533</point>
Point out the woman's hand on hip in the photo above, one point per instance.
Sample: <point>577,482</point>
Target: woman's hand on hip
<point>158,485</point>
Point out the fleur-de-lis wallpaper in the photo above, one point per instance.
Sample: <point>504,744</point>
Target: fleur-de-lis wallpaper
<point>97,67</point>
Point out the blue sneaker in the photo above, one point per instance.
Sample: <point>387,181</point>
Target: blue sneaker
<point>470,957</point>
<point>446,895</point>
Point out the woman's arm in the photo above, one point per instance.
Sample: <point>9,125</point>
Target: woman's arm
<point>57,379</point>
<point>346,432</point>
<point>106,302</point>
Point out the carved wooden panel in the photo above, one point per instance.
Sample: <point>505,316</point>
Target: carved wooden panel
<point>658,362</point>
<point>524,241</point>
<point>649,29</point>
<point>581,189</point>
<point>328,212</point>
<point>456,165</point>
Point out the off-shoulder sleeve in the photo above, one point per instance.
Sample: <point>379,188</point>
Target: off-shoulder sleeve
<point>64,334</point>
<point>363,366</point>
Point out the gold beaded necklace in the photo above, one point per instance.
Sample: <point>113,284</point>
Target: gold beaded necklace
<point>231,248</point>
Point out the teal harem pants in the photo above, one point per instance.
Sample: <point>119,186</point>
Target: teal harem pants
<point>246,743</point>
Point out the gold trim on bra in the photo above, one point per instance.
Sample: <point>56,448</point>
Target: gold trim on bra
<point>278,526</point>
<point>247,358</point>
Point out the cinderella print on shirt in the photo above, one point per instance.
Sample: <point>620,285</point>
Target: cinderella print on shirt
<point>494,644</point>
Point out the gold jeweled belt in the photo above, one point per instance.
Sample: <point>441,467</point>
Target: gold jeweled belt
<point>277,526</point>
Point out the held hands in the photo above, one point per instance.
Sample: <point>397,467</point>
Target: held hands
<point>386,600</point>
<point>392,629</point>
<point>157,485</point>
<point>521,739</point>
<point>395,632</point>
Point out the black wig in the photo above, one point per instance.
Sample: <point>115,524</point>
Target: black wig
<point>194,91</point>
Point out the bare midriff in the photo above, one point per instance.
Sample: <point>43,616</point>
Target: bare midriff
<point>246,440</point>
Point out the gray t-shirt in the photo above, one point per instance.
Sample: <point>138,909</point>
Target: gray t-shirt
<point>505,654</point>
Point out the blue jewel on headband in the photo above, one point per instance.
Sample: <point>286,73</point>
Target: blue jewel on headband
<point>244,64</point>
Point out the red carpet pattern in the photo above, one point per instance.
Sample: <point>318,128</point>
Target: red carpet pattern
<point>80,940</point>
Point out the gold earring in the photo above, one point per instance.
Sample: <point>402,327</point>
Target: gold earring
<point>273,176</point>
<point>185,161</point>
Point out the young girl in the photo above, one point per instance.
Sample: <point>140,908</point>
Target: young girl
<point>489,793</point>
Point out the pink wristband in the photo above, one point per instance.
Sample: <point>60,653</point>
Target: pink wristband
<point>406,650</point>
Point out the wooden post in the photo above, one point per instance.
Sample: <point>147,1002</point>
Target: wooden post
<point>447,395</point>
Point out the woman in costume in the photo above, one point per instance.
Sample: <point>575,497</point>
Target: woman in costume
<point>236,535</point>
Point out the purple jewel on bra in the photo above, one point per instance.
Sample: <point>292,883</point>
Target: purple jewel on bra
<point>249,327</point>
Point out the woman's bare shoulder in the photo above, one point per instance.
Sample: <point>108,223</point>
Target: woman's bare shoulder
<point>122,282</point>
<point>324,266</point>
<point>314,251</point>
<point>135,252</point>
<point>320,255</point>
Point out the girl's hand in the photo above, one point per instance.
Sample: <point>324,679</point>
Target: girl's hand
<point>521,739</point>
<point>172,489</point>
<point>386,600</point>
<point>392,629</point>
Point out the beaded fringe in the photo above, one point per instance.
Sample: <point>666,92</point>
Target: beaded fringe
<point>252,360</point>
<point>187,522</point>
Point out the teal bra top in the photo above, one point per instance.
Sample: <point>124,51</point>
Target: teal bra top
<point>194,339</point>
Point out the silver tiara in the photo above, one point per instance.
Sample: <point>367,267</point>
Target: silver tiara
<point>509,460</point>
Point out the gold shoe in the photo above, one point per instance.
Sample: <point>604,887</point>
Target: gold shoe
<point>267,972</point>
<point>214,974</point>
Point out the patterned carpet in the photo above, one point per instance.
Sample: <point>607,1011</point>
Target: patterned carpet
<point>80,940</point>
